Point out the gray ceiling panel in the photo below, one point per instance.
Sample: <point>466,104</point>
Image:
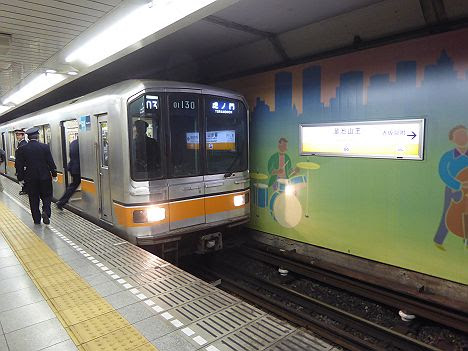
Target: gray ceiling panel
<point>245,35</point>
<point>40,9</point>
<point>258,54</point>
<point>39,29</point>
<point>378,20</point>
<point>278,16</point>
<point>456,8</point>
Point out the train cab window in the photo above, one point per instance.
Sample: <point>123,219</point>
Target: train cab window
<point>184,125</point>
<point>144,118</point>
<point>226,135</point>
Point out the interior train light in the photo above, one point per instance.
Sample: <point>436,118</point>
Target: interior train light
<point>135,26</point>
<point>42,82</point>
<point>155,214</point>
<point>239,200</point>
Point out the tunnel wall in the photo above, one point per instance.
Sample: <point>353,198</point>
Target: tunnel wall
<point>386,210</point>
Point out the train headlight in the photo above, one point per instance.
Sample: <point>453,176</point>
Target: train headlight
<point>155,214</point>
<point>148,215</point>
<point>239,200</point>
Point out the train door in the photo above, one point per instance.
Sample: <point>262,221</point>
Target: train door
<point>105,203</point>
<point>69,131</point>
<point>4,149</point>
<point>185,162</point>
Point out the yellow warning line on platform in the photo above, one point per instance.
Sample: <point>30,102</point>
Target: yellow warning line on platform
<point>92,323</point>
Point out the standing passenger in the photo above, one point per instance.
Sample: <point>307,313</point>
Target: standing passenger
<point>20,138</point>
<point>36,166</point>
<point>74,168</point>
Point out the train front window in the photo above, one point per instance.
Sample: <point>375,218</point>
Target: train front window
<point>144,119</point>
<point>185,134</point>
<point>226,135</point>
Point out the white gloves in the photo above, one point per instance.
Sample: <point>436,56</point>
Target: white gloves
<point>55,179</point>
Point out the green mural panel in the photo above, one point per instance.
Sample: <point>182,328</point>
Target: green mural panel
<point>391,211</point>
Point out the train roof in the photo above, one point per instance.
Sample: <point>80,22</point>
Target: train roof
<point>130,87</point>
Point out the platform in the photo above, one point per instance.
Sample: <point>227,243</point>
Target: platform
<point>72,285</point>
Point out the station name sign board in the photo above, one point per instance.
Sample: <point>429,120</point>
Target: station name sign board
<point>398,139</point>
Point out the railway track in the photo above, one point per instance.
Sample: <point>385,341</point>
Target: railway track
<point>329,322</point>
<point>422,308</point>
<point>348,331</point>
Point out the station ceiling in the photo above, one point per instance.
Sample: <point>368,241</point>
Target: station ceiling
<point>228,39</point>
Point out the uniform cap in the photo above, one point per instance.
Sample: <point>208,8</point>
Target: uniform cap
<point>32,131</point>
<point>19,131</point>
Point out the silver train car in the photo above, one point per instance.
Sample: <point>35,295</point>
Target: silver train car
<point>158,159</point>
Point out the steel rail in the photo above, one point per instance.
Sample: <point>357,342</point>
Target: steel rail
<point>345,339</point>
<point>440,314</point>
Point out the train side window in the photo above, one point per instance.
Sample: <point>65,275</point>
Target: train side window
<point>146,148</point>
<point>104,145</point>
<point>184,124</point>
<point>44,134</point>
<point>12,145</point>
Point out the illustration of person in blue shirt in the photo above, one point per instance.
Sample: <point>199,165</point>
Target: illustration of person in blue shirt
<point>451,164</point>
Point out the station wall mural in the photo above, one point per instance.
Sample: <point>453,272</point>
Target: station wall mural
<point>408,213</point>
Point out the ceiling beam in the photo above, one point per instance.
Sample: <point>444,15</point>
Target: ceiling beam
<point>433,11</point>
<point>271,37</point>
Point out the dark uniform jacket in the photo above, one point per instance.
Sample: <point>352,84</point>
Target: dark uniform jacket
<point>22,143</point>
<point>34,162</point>
<point>74,164</point>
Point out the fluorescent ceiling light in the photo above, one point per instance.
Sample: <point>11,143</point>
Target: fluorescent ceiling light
<point>4,108</point>
<point>72,73</point>
<point>52,71</point>
<point>137,25</point>
<point>34,87</point>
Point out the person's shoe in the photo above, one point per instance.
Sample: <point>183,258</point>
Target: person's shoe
<point>37,223</point>
<point>22,192</point>
<point>59,206</point>
<point>45,218</point>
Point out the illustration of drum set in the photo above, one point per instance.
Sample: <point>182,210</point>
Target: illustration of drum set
<point>283,205</point>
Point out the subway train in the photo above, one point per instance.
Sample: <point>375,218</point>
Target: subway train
<point>158,159</point>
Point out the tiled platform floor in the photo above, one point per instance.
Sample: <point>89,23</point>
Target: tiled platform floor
<point>170,308</point>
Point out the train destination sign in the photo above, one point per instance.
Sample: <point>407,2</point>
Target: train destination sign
<point>398,139</point>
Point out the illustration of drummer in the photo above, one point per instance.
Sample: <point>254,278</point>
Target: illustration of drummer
<point>279,165</point>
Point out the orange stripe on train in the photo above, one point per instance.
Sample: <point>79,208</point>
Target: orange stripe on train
<point>181,210</point>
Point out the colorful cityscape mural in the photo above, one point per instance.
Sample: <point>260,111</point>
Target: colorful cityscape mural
<point>408,213</point>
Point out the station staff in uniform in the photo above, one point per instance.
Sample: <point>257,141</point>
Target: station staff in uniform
<point>36,166</point>
<point>21,139</point>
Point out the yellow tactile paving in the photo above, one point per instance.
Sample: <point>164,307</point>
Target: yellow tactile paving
<point>79,297</point>
<point>50,270</point>
<point>95,327</point>
<point>86,311</point>
<point>91,321</point>
<point>65,288</point>
<point>125,339</point>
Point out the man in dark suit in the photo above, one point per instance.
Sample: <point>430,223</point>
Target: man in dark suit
<point>36,166</point>
<point>74,169</point>
<point>21,139</point>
